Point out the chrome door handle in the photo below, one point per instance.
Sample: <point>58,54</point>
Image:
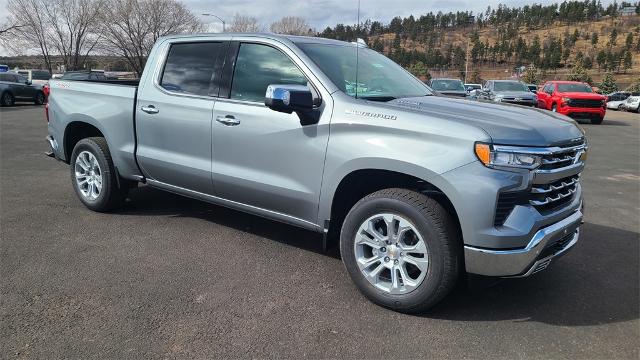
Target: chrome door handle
<point>228,120</point>
<point>150,109</point>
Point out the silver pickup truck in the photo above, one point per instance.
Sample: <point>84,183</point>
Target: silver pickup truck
<point>419,189</point>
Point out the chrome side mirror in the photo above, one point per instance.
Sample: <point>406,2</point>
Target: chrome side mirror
<point>289,98</point>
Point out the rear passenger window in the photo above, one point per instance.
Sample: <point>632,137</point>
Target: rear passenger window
<point>190,67</point>
<point>259,66</point>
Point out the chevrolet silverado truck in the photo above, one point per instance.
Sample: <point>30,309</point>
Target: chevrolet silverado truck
<point>418,189</point>
<point>574,99</point>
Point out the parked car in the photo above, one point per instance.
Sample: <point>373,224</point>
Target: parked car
<point>37,77</point>
<point>507,91</point>
<point>15,87</point>
<point>632,103</point>
<point>449,87</point>
<point>533,88</point>
<point>616,99</point>
<point>84,75</point>
<point>471,89</point>
<point>417,188</point>
<point>574,99</point>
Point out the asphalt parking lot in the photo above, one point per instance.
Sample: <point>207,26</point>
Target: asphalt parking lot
<point>173,277</point>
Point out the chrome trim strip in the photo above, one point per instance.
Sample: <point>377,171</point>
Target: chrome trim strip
<point>539,151</point>
<point>549,199</point>
<point>541,190</point>
<point>549,176</point>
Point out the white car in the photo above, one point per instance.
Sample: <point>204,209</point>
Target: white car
<point>615,105</point>
<point>632,103</point>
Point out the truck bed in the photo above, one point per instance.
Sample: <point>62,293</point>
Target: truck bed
<point>108,105</point>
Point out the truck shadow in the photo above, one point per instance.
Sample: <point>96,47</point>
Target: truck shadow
<point>148,201</point>
<point>597,282</point>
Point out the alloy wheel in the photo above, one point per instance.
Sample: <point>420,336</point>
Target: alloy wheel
<point>391,253</point>
<point>88,175</point>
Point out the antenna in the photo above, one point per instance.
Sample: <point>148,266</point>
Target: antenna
<point>357,48</point>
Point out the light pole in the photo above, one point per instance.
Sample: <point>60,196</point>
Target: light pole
<point>217,17</point>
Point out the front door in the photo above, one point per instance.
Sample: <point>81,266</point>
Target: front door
<point>261,157</point>
<point>173,117</point>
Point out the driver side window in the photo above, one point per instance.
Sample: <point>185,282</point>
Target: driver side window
<point>549,89</point>
<point>259,66</point>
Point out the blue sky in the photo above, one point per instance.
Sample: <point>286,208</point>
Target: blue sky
<point>322,13</point>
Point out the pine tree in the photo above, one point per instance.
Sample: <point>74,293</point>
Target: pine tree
<point>629,41</point>
<point>608,84</point>
<point>578,73</point>
<point>532,76</point>
<point>594,38</point>
<point>627,61</point>
<point>613,37</point>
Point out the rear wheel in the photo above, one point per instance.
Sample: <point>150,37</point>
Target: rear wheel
<point>39,99</point>
<point>401,249</point>
<point>94,177</point>
<point>7,99</point>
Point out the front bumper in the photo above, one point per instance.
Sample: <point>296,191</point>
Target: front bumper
<point>581,113</point>
<point>546,244</point>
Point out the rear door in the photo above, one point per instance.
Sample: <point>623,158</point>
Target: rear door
<point>174,114</point>
<point>22,90</point>
<point>263,158</point>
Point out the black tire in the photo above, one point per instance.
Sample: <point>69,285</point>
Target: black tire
<point>435,226</point>
<point>39,99</point>
<point>111,196</point>
<point>597,120</point>
<point>7,99</point>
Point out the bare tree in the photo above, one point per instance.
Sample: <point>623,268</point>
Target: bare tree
<point>244,24</point>
<point>33,34</point>
<point>291,25</point>
<point>62,27</point>
<point>131,27</point>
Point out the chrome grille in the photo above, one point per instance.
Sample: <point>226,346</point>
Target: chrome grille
<point>554,185</point>
<point>545,197</point>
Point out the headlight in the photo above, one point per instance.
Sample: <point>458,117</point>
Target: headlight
<point>566,100</point>
<point>506,156</point>
<point>498,98</point>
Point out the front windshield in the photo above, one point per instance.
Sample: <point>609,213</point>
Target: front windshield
<point>510,86</point>
<point>447,85</point>
<point>574,88</point>
<point>378,77</point>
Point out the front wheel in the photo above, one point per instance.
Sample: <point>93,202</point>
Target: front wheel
<point>94,177</point>
<point>401,249</point>
<point>7,99</point>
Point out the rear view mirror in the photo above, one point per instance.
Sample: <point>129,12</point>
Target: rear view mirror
<point>292,98</point>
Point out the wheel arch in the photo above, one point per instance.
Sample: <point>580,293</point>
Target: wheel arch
<point>76,131</point>
<point>358,183</point>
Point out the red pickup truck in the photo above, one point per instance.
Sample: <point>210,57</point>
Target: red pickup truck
<point>574,99</point>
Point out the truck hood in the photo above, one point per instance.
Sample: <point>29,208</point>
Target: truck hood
<point>505,124</point>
